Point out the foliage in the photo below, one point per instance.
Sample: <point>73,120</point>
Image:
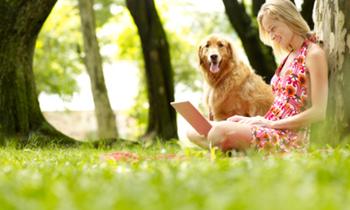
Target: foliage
<point>58,53</point>
<point>129,45</point>
<point>105,10</point>
<point>139,112</point>
<point>67,179</point>
<point>129,48</point>
<point>57,60</point>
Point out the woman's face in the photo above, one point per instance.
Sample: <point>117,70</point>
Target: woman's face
<point>279,32</point>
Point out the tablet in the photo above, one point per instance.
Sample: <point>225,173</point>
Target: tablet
<point>192,116</point>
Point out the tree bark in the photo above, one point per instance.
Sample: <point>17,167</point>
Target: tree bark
<point>106,121</point>
<point>159,73</point>
<point>260,56</point>
<point>21,117</point>
<point>256,4</point>
<point>332,25</point>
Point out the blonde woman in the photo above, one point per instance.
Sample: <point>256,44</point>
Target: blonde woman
<point>300,87</point>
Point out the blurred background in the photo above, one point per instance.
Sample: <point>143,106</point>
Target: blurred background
<point>64,86</point>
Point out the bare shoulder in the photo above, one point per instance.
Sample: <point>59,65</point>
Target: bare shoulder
<point>316,56</point>
<point>315,53</point>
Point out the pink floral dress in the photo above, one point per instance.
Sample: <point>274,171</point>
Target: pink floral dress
<point>291,97</point>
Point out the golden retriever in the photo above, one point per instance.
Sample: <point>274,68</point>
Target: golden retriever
<point>233,87</point>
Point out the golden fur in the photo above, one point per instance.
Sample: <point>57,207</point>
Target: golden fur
<point>234,88</point>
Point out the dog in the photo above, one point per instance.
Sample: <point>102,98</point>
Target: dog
<point>233,87</point>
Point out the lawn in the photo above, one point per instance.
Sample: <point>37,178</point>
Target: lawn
<point>78,178</point>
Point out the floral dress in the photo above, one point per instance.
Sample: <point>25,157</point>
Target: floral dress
<point>291,97</point>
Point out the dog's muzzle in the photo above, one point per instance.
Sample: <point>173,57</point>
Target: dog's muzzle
<point>214,63</point>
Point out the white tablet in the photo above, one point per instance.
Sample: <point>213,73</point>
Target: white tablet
<point>193,116</point>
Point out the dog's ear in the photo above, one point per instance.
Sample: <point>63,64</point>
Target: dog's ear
<point>200,53</point>
<point>230,49</point>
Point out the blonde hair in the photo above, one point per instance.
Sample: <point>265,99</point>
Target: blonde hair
<point>285,11</point>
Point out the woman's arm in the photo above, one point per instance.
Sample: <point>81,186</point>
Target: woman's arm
<point>316,62</point>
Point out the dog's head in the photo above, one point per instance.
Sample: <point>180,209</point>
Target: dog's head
<point>214,53</point>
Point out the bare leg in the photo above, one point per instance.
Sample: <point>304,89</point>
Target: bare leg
<point>230,135</point>
<point>197,139</point>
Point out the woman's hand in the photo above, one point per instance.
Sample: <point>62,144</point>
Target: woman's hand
<point>237,118</point>
<point>261,121</point>
<point>257,120</point>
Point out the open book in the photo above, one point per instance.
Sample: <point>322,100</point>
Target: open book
<point>193,116</point>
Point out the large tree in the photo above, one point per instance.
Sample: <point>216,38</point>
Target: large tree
<point>260,56</point>
<point>20,114</point>
<point>332,24</point>
<point>159,73</point>
<point>256,4</point>
<point>106,122</point>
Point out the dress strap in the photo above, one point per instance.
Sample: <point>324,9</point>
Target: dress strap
<point>279,69</point>
<point>301,56</point>
<point>312,37</point>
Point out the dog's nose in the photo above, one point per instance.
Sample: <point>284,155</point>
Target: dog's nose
<point>214,56</point>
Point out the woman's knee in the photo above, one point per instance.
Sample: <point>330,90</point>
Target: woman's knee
<point>230,135</point>
<point>197,139</point>
<point>218,134</point>
<point>190,134</point>
<point>193,135</point>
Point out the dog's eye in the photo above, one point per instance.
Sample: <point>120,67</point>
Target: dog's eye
<point>206,46</point>
<point>221,45</point>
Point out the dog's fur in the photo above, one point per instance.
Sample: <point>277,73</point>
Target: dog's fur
<point>233,87</point>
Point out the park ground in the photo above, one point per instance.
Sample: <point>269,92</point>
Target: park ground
<point>166,176</point>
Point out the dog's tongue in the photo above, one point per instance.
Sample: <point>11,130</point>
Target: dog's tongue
<point>214,67</point>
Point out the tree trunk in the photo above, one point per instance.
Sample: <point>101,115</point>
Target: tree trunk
<point>159,73</point>
<point>106,122</point>
<point>332,25</point>
<point>256,4</point>
<point>20,114</point>
<point>260,56</point>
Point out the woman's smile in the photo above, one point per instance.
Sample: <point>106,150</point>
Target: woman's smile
<point>277,39</point>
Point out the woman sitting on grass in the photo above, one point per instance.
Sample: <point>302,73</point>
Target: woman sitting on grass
<point>300,87</point>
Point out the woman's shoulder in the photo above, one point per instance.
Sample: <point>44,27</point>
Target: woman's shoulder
<point>315,56</point>
<point>314,50</point>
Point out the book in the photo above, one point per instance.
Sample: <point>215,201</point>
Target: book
<point>192,116</point>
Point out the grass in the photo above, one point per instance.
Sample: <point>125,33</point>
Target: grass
<point>57,178</point>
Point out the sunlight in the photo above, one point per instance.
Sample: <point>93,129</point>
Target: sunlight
<point>118,77</point>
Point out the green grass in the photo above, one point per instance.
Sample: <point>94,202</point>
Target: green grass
<point>57,178</point>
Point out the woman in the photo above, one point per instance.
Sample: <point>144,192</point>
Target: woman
<point>300,87</point>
